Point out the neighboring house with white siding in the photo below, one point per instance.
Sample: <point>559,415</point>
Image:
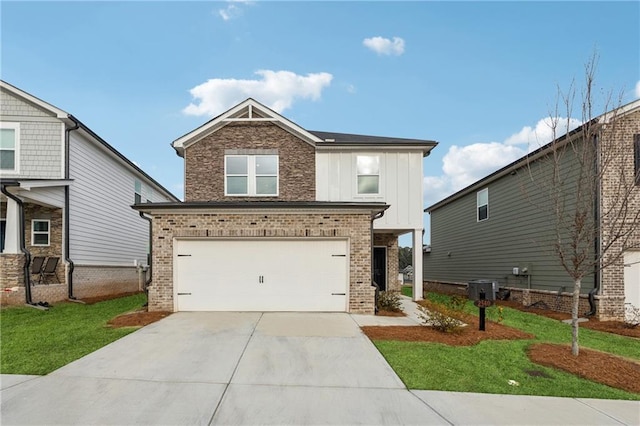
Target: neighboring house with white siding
<point>66,194</point>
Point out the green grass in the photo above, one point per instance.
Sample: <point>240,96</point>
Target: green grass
<point>488,366</point>
<point>38,342</point>
<point>407,291</point>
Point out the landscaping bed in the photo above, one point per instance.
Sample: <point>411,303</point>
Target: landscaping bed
<point>137,319</point>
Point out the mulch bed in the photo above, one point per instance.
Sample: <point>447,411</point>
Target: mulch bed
<point>589,364</point>
<point>137,319</point>
<point>383,313</point>
<point>467,336</point>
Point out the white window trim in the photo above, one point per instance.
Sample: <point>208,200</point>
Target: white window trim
<point>33,232</point>
<point>251,175</point>
<point>478,205</point>
<point>369,194</point>
<point>16,128</point>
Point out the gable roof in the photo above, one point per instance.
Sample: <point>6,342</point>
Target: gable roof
<point>252,110</point>
<point>535,155</point>
<point>72,121</point>
<point>248,110</point>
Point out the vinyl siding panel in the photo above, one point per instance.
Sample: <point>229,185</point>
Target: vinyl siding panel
<point>40,145</point>
<point>518,233</point>
<point>400,184</point>
<point>104,230</point>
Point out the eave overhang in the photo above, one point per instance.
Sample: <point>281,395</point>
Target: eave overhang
<point>272,207</point>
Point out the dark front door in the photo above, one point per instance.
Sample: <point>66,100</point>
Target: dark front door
<point>380,267</point>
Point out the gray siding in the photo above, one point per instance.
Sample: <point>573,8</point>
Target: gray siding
<point>104,230</point>
<point>40,148</point>
<point>518,233</point>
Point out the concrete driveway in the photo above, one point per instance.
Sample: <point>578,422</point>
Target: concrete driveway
<point>272,368</point>
<point>225,368</point>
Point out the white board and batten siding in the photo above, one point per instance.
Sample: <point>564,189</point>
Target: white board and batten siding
<point>104,229</point>
<point>400,184</point>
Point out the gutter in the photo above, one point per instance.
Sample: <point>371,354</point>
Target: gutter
<point>67,249</point>
<point>23,246</point>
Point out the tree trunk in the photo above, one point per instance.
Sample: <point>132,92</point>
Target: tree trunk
<point>575,349</point>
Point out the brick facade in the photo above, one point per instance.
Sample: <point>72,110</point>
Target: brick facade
<point>252,225</point>
<point>390,241</point>
<point>619,176</point>
<point>54,249</point>
<point>204,162</point>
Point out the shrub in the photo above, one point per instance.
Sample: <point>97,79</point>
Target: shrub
<point>440,316</point>
<point>631,315</point>
<point>389,301</point>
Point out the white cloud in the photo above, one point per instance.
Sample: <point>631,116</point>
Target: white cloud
<point>351,89</point>
<point>638,89</point>
<point>233,9</point>
<point>276,89</point>
<point>462,166</point>
<point>543,132</point>
<point>385,46</point>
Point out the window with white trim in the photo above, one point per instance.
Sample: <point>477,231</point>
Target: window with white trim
<point>40,232</point>
<point>368,171</point>
<point>482,204</point>
<point>251,175</point>
<point>9,146</point>
<point>138,192</point>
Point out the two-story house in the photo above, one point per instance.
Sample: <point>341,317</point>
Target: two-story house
<point>66,196</point>
<point>504,227</point>
<point>279,218</point>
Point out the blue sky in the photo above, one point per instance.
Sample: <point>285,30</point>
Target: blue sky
<point>478,77</point>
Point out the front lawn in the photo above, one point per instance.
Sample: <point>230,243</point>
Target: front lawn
<point>38,342</point>
<point>501,366</point>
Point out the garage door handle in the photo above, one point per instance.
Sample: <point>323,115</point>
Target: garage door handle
<point>184,294</point>
<point>338,255</point>
<point>338,294</point>
<point>184,255</point>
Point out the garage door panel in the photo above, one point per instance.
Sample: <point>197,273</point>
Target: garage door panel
<point>242,275</point>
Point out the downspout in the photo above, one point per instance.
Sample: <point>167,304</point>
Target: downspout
<point>150,255</point>
<point>596,243</point>
<point>23,246</point>
<point>374,217</point>
<point>67,239</point>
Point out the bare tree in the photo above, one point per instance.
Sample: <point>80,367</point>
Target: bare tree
<point>581,181</point>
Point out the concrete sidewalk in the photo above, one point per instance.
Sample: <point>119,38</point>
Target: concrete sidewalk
<point>271,368</point>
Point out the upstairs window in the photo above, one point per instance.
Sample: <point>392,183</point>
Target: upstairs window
<point>138,192</point>
<point>9,143</point>
<point>368,170</point>
<point>40,232</point>
<point>251,175</point>
<point>482,203</point>
<point>636,157</point>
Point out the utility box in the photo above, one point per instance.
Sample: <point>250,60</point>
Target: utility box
<point>490,288</point>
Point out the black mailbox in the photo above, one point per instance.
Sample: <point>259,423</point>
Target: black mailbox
<point>488,287</point>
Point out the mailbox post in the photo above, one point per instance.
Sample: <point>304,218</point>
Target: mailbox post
<point>483,293</point>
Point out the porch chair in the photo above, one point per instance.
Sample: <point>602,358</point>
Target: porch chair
<point>50,269</point>
<point>36,266</point>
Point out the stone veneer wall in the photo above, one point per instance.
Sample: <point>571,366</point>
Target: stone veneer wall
<point>54,249</point>
<point>390,241</point>
<point>617,140</point>
<point>204,162</point>
<point>88,281</point>
<point>355,227</point>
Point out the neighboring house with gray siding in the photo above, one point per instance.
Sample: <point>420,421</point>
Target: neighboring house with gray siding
<point>501,228</point>
<point>74,191</point>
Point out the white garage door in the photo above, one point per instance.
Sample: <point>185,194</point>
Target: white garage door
<point>631,281</point>
<point>261,275</point>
